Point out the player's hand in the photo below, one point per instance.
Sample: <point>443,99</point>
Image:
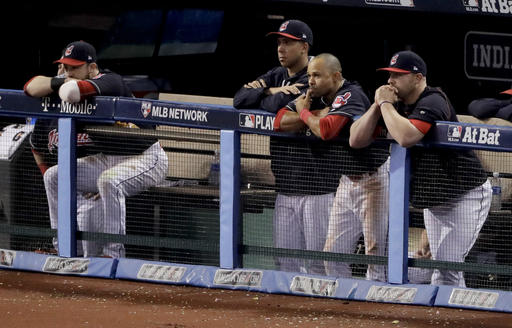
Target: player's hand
<point>287,89</point>
<point>386,93</point>
<point>91,195</point>
<point>303,101</point>
<point>256,84</point>
<point>126,125</point>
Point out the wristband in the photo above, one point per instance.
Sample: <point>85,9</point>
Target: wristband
<point>385,101</point>
<point>56,82</point>
<point>305,114</point>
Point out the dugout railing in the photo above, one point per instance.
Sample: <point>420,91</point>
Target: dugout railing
<point>240,209</point>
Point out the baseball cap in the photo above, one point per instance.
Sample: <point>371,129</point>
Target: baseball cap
<point>296,30</point>
<point>508,92</point>
<point>78,53</point>
<point>406,62</point>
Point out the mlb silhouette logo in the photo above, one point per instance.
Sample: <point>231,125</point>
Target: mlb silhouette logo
<point>454,131</point>
<point>145,109</point>
<point>247,120</point>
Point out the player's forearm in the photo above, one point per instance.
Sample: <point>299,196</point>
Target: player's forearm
<point>399,127</point>
<point>362,130</point>
<point>291,122</point>
<point>39,86</point>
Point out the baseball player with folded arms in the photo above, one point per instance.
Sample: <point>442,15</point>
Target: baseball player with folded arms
<point>449,185</point>
<point>280,85</point>
<point>271,92</point>
<point>358,177</point>
<point>112,172</point>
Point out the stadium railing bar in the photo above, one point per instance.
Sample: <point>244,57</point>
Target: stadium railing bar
<point>231,271</point>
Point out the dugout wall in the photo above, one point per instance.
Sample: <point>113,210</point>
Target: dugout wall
<point>224,240</point>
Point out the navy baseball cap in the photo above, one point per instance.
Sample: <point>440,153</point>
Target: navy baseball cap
<point>508,92</point>
<point>406,62</point>
<point>78,53</point>
<point>296,30</point>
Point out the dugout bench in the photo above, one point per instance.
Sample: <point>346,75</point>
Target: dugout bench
<point>184,209</point>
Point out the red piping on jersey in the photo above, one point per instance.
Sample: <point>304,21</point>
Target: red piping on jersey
<point>331,125</point>
<point>86,89</point>
<point>421,125</point>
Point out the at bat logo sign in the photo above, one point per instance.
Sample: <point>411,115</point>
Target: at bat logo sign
<point>313,286</point>
<point>238,278</point>
<point>341,100</point>
<point>161,272</point>
<point>66,265</point>
<point>391,294</point>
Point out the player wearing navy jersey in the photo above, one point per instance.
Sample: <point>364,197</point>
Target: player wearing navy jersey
<point>450,185</point>
<point>280,85</point>
<point>311,170</point>
<point>113,171</point>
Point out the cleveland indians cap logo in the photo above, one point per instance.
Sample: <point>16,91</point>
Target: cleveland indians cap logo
<point>283,26</point>
<point>393,60</point>
<point>69,50</point>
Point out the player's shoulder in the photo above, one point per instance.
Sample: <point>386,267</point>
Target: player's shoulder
<point>353,90</point>
<point>433,96</point>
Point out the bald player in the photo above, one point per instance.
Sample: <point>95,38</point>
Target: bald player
<point>314,167</point>
<point>449,185</point>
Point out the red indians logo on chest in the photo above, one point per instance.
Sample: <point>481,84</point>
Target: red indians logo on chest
<point>341,100</point>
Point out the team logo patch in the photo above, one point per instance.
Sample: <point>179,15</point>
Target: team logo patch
<point>283,26</point>
<point>145,108</point>
<point>247,120</point>
<point>341,100</point>
<point>393,60</point>
<point>68,51</point>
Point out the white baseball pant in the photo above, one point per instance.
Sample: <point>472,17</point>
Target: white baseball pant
<point>452,230</point>
<point>115,178</point>
<point>300,222</point>
<point>360,207</point>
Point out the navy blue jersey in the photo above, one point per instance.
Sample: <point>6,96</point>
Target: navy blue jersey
<point>439,175</point>
<point>44,138</point>
<point>108,83</point>
<point>255,98</point>
<point>311,167</point>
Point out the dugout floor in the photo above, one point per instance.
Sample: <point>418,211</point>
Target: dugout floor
<point>41,300</point>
